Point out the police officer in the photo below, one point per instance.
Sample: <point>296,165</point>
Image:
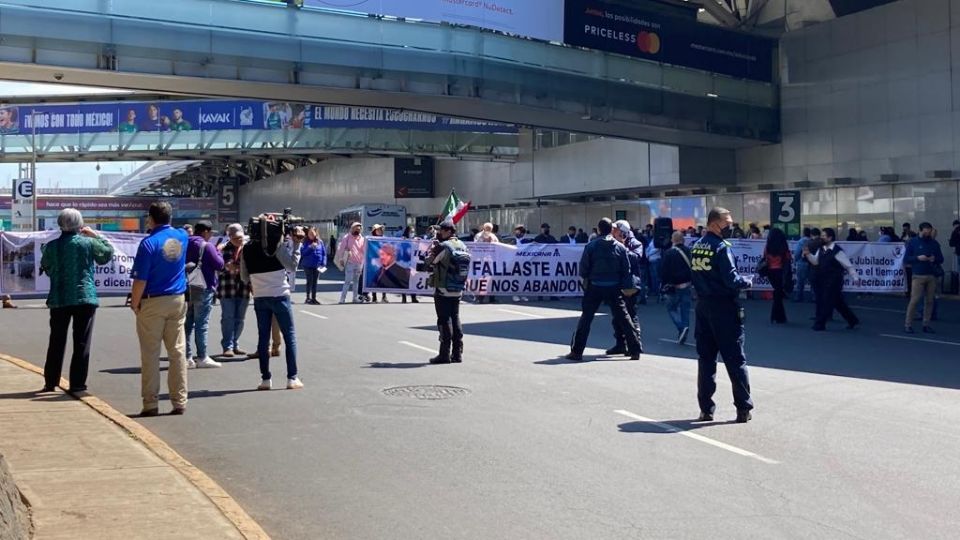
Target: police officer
<point>606,275</point>
<point>719,317</point>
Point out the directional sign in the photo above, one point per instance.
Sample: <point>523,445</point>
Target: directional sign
<point>785,212</point>
<point>25,188</point>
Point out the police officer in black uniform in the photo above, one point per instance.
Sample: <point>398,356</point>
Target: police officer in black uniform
<point>719,317</point>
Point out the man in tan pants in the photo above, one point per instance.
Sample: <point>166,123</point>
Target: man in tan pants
<point>157,298</point>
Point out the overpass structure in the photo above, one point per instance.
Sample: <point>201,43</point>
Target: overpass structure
<point>239,49</point>
<point>214,129</point>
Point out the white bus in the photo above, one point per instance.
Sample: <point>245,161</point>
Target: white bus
<point>393,217</point>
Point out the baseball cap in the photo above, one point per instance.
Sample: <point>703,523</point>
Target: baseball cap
<point>355,224</point>
<point>235,230</point>
<point>622,225</point>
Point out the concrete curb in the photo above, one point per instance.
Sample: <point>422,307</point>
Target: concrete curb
<point>245,524</point>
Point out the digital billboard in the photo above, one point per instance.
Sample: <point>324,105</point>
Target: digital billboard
<point>540,19</point>
<point>613,28</point>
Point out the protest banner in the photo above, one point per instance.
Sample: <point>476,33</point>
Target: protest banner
<point>879,264</point>
<point>20,271</point>
<point>399,265</point>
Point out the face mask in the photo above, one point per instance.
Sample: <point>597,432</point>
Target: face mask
<point>355,233</point>
<point>726,232</point>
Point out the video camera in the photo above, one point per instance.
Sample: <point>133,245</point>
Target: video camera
<point>269,229</point>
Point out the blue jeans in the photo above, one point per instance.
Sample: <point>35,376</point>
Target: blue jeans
<point>266,309</point>
<point>198,317</point>
<point>678,306</point>
<point>654,270</point>
<point>233,312</point>
<point>803,275</point>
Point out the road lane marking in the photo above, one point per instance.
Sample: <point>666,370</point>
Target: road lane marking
<point>531,315</point>
<point>885,310</point>
<point>707,440</point>
<point>312,314</point>
<point>908,338</point>
<point>415,346</point>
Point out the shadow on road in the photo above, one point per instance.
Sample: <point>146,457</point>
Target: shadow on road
<point>863,354</point>
<point>682,425</point>
<point>400,365</point>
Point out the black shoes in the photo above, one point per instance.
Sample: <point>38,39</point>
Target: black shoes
<point>616,349</point>
<point>575,357</point>
<point>178,411</point>
<point>635,356</point>
<point>440,359</point>
<point>908,330</point>
<point>48,389</point>
<point>928,330</point>
<point>146,413</point>
<point>705,417</point>
<point>743,417</point>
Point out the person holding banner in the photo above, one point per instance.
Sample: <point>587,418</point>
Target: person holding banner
<point>605,270</point>
<point>69,263</point>
<point>719,317</point>
<point>831,263</point>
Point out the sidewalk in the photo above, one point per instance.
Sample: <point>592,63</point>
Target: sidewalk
<point>85,476</point>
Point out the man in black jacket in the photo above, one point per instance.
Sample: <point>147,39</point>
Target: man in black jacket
<point>719,317</point>
<point>675,275</point>
<point>605,271</point>
<point>545,237</point>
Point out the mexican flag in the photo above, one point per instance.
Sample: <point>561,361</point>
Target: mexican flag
<point>455,209</point>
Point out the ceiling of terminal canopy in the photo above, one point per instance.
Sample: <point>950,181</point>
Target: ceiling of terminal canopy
<point>770,17</point>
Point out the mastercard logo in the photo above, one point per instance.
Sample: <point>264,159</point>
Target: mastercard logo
<point>648,42</point>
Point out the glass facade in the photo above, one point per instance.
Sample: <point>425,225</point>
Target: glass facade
<point>865,208</point>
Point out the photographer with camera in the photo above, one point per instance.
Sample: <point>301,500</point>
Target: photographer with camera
<point>450,264</point>
<point>266,260</point>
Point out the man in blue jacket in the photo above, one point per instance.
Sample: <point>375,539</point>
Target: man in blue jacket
<point>719,327</point>
<point>606,275</point>
<point>923,254</point>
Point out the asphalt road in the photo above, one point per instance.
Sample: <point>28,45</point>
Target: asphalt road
<point>853,436</point>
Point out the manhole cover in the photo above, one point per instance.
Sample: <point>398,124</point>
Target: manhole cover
<point>426,392</point>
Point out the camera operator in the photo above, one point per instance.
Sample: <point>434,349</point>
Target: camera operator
<point>265,266</point>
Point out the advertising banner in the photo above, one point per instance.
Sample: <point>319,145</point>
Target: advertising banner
<point>173,116</point>
<point>21,253</point>
<point>614,28</point>
<point>540,19</point>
